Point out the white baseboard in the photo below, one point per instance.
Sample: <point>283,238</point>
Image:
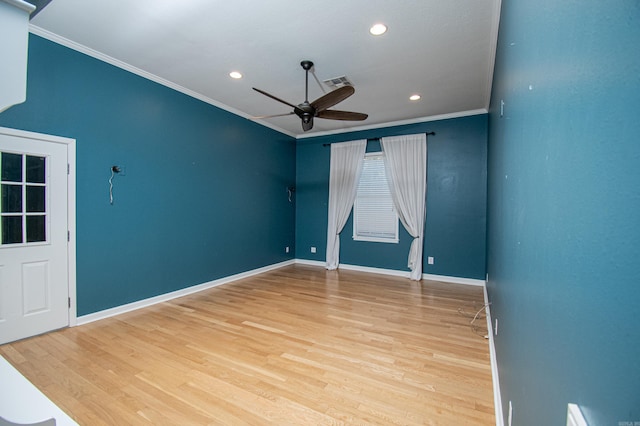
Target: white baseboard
<point>497,396</point>
<point>396,273</point>
<point>369,269</point>
<point>310,262</point>
<point>454,280</point>
<point>85,319</point>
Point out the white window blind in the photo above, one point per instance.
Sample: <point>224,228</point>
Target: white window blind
<point>374,215</point>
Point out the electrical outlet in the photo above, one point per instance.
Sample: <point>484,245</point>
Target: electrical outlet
<point>286,249</point>
<point>430,260</point>
<point>313,249</point>
<point>496,328</point>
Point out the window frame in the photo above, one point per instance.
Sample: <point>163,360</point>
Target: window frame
<point>371,238</point>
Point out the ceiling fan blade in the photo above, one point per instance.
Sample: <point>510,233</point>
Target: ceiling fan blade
<point>258,117</point>
<point>273,97</point>
<point>307,125</point>
<point>334,114</point>
<point>332,98</point>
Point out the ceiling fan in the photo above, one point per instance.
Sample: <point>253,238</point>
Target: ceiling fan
<point>320,107</point>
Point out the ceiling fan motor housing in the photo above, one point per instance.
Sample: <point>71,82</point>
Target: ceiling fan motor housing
<point>305,109</point>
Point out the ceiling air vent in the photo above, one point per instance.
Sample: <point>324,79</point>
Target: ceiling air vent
<point>337,82</point>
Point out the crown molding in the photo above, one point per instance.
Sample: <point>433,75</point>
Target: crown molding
<point>397,123</point>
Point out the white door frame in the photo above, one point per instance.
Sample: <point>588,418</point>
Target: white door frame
<point>71,206</point>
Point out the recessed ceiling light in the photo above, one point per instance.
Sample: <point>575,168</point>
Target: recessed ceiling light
<point>378,29</point>
<point>235,74</point>
<point>415,97</point>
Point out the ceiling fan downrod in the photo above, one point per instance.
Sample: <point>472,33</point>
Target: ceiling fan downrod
<point>306,65</point>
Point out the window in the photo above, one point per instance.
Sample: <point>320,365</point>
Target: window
<point>374,215</point>
<point>23,199</point>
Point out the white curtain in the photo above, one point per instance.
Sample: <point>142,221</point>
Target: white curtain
<point>405,159</point>
<point>344,173</point>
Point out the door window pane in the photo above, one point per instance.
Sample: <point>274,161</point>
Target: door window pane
<point>35,169</point>
<point>11,165</point>
<point>23,198</point>
<point>36,229</point>
<point>11,229</point>
<point>11,198</point>
<point>35,199</point>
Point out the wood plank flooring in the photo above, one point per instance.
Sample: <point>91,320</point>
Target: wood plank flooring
<point>296,346</point>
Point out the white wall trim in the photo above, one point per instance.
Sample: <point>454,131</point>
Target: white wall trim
<point>453,280</point>
<point>107,313</point>
<point>439,117</point>
<point>497,396</point>
<point>320,263</point>
<point>368,269</point>
<point>372,270</point>
<point>396,273</point>
<point>71,228</point>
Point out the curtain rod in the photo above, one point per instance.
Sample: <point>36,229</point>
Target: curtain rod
<point>377,139</point>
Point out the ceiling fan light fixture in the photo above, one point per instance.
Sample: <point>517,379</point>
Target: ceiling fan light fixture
<point>378,29</point>
<point>415,97</point>
<point>235,75</point>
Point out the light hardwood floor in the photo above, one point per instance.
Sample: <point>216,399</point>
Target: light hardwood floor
<point>296,346</point>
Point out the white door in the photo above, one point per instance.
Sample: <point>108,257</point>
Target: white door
<point>34,275</point>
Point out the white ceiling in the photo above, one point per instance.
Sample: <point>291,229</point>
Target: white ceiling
<point>443,50</point>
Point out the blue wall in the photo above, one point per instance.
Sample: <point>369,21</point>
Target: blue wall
<point>204,195</point>
<point>564,227</point>
<point>456,200</point>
